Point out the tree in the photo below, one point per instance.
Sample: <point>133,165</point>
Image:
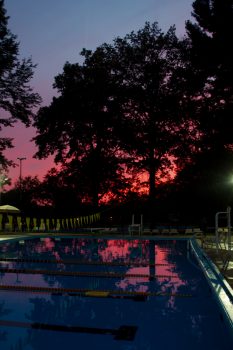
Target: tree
<point>206,176</point>
<point>124,110</point>
<point>16,96</point>
<point>78,129</point>
<point>155,110</point>
<point>212,57</point>
<point>63,198</point>
<point>25,194</point>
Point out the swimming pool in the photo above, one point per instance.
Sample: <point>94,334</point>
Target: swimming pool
<point>95,293</point>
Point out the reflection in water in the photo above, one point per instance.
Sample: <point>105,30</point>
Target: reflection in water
<point>152,259</point>
<point>173,317</point>
<point>4,311</point>
<point>138,257</point>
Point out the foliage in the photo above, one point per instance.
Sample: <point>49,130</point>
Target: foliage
<point>122,110</point>
<point>78,127</point>
<point>212,57</point>
<point>138,105</point>
<point>24,194</point>
<point>204,179</point>
<point>63,198</point>
<point>16,96</point>
<point>155,113</point>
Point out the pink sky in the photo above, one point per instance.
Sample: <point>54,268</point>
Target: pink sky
<point>55,31</point>
<point>24,148</point>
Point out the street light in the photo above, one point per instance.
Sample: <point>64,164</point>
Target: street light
<point>20,167</point>
<point>20,175</point>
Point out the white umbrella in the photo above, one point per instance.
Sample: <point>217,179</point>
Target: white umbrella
<point>9,209</point>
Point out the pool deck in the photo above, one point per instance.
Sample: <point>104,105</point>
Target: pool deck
<point>222,258</point>
<point>219,259</point>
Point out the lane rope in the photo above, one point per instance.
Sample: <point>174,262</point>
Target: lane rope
<point>88,292</point>
<point>80,262</point>
<point>83,273</point>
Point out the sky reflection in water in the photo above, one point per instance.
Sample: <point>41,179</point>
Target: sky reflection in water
<point>169,268</point>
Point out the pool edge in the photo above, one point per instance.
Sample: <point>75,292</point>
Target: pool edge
<point>219,286</point>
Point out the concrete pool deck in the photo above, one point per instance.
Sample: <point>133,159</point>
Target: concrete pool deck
<point>223,259</point>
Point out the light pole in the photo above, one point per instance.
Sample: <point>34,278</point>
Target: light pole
<point>20,175</point>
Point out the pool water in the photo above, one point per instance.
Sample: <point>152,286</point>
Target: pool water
<point>85,293</point>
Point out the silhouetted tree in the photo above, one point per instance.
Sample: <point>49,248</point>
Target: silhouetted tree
<point>206,177</point>
<point>127,108</point>
<point>16,96</point>
<point>25,195</point>
<point>204,186</point>
<point>212,57</point>
<point>64,198</point>
<point>155,110</point>
<point>77,127</point>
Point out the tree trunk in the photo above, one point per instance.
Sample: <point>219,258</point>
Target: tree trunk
<point>152,190</point>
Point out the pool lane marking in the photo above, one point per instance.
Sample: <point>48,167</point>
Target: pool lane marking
<point>124,332</point>
<point>97,293</point>
<point>88,292</point>
<point>83,273</point>
<point>80,262</point>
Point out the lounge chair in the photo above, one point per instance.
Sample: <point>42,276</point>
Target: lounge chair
<point>174,231</point>
<point>188,231</point>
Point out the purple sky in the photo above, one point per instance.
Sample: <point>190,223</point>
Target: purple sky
<point>55,31</point>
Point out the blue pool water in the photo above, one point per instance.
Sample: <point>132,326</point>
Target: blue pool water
<point>150,295</point>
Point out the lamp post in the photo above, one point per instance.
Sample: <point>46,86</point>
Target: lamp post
<point>20,175</point>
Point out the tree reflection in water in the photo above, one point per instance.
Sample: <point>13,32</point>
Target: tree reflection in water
<point>167,258</point>
<point>3,312</point>
<point>149,253</point>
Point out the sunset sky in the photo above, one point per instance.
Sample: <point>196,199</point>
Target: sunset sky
<point>55,31</point>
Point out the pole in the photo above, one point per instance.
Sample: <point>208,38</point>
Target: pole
<point>141,228</point>
<point>20,175</point>
<point>132,219</point>
<point>229,227</point>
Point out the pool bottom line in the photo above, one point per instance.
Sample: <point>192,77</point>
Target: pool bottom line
<point>124,332</point>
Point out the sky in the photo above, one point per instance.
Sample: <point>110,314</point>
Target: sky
<point>53,32</point>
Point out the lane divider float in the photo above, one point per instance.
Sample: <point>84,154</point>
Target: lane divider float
<point>90,293</point>
<point>84,274</point>
<point>80,262</point>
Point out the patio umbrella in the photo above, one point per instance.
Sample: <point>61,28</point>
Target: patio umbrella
<point>9,209</point>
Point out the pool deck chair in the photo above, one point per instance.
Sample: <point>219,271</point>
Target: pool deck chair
<point>156,231</point>
<point>165,231</point>
<point>197,230</point>
<point>173,231</point>
<point>188,231</point>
